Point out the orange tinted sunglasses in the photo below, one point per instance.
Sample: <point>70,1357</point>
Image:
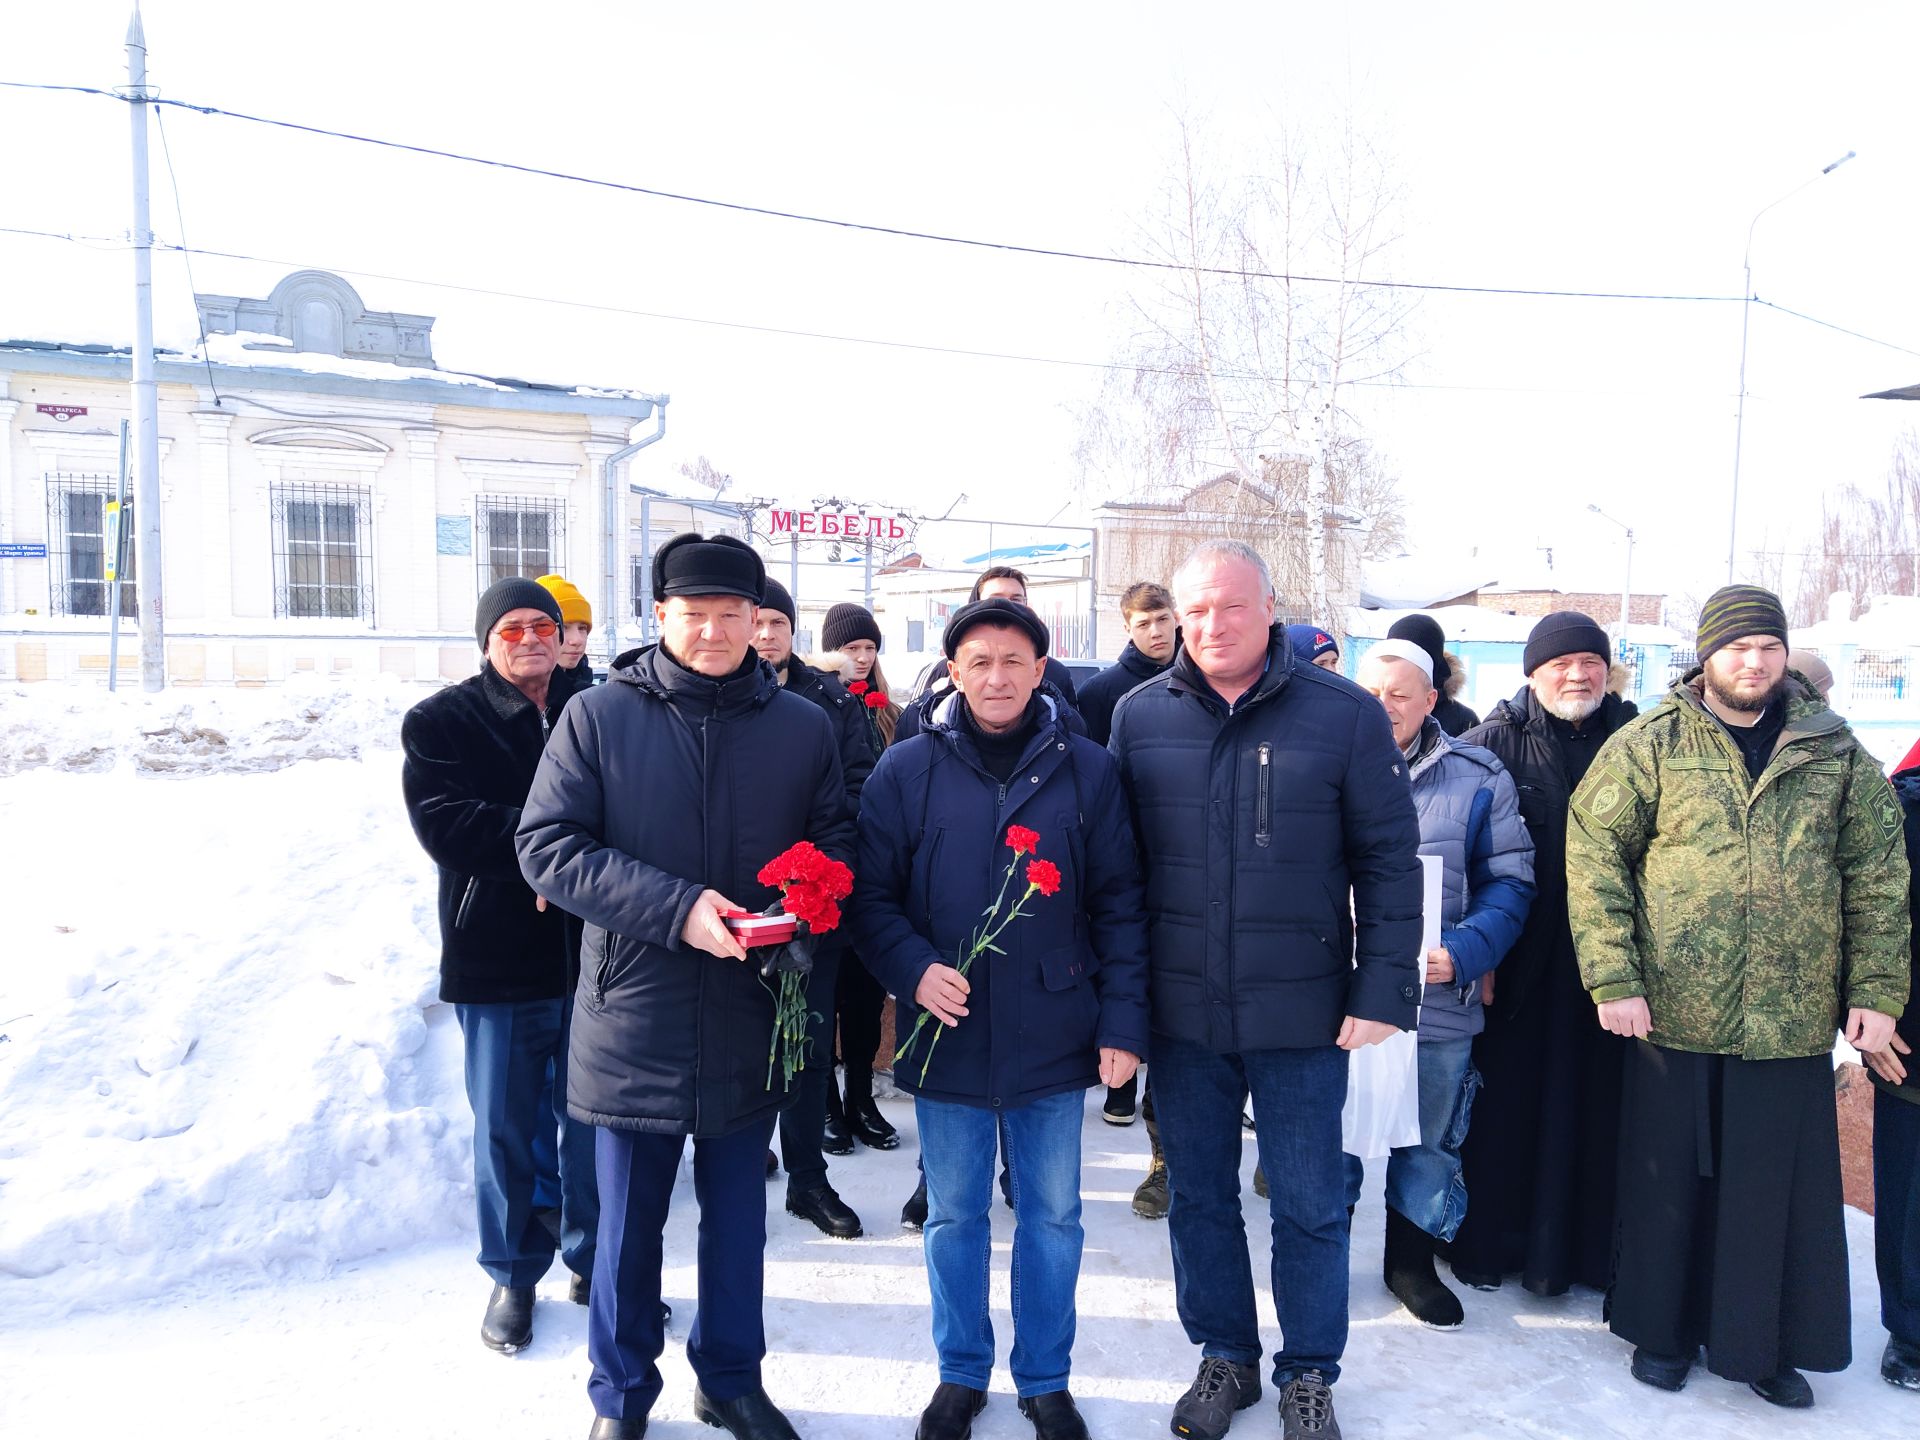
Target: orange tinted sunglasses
<point>514,634</point>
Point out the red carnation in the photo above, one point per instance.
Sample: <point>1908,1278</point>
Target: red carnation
<point>1044,876</point>
<point>857,687</point>
<point>1023,840</point>
<point>811,883</point>
<point>876,701</point>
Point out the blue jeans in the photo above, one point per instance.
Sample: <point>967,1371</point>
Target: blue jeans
<point>1297,1096</point>
<point>957,1149</point>
<point>1423,1181</point>
<point>508,1051</point>
<point>625,1331</point>
<point>1896,1213</point>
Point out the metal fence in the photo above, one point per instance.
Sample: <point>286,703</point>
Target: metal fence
<point>519,536</point>
<point>323,552</point>
<point>78,525</point>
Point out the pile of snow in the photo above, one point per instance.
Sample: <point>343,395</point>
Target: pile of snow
<point>220,1047</point>
<point>217,730</point>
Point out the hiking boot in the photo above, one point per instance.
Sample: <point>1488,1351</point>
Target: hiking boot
<point>1662,1372</point>
<point>1152,1199</point>
<point>1219,1391</point>
<point>826,1211</point>
<point>1260,1186</point>
<point>580,1289</point>
<point>1788,1389</point>
<point>1306,1409</point>
<point>509,1323</point>
<point>1122,1107</point>
<point>949,1415</point>
<point>1054,1416</point>
<point>1408,1271</point>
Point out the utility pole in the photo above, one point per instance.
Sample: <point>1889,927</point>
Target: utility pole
<point>146,401</point>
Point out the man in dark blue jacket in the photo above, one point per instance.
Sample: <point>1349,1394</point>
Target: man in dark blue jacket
<point>1018,1004</point>
<point>1283,897</point>
<point>662,795</point>
<point>507,960</point>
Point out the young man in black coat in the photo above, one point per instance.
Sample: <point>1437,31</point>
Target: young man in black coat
<point>1896,1145</point>
<point>662,796</point>
<point>507,961</point>
<point>1283,900</point>
<point>999,798</point>
<point>1540,1161</point>
<point>803,1123</point>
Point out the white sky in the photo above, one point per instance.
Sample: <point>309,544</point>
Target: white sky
<point>1624,148</point>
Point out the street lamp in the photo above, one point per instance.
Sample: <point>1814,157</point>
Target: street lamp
<point>1746,310</point>
<point>1626,587</point>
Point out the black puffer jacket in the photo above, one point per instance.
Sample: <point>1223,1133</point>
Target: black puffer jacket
<point>849,719</point>
<point>1520,733</point>
<point>655,786</point>
<point>470,755</point>
<point>1273,831</point>
<point>1100,694</point>
<point>1906,784</point>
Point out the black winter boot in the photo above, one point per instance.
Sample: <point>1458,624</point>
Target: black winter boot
<point>824,1209</point>
<point>949,1415</point>
<point>913,1214</point>
<point>838,1139</point>
<point>751,1417</point>
<point>869,1126</point>
<point>509,1323</point>
<point>1153,1199</point>
<point>1408,1271</point>
<point>1054,1416</point>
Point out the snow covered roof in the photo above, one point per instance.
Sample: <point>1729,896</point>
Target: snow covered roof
<point>1465,623</point>
<point>1013,554</point>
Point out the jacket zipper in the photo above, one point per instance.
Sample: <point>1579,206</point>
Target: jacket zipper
<point>465,905</point>
<point>1263,815</point>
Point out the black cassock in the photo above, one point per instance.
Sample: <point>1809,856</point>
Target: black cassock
<point>1731,1229</point>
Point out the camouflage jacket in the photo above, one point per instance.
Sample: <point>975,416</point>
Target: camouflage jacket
<point>1751,916</point>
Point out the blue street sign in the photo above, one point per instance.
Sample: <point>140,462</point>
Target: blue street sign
<point>22,550</point>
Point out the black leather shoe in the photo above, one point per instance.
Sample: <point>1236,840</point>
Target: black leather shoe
<point>837,1139</point>
<point>1663,1372</point>
<point>869,1126</point>
<point>1054,1416</point>
<point>605,1427</point>
<point>913,1214</point>
<point>1900,1365</point>
<point>509,1323</point>
<point>949,1415</point>
<point>580,1289</point>
<point>1789,1390</point>
<point>826,1211</point>
<point>751,1417</point>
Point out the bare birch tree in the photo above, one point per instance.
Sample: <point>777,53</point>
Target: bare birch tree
<point>1244,353</point>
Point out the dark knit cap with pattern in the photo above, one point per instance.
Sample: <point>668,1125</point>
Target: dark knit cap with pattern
<point>1734,612</point>
<point>847,621</point>
<point>503,597</point>
<point>777,598</point>
<point>693,564</point>
<point>1564,632</point>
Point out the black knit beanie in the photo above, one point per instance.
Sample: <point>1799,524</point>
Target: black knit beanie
<point>848,621</point>
<point>1736,611</point>
<point>1565,632</point>
<point>503,597</point>
<point>777,598</point>
<point>1425,631</point>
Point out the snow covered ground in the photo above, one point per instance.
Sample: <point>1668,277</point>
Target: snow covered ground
<point>235,1190</point>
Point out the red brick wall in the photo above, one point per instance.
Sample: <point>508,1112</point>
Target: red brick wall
<point>1603,607</point>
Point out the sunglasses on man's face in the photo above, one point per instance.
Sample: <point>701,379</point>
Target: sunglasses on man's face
<point>513,634</point>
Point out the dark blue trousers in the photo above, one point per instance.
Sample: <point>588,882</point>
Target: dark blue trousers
<point>509,1050</point>
<point>625,1333</point>
<point>1896,1213</point>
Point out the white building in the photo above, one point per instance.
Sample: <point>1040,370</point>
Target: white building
<point>331,501</point>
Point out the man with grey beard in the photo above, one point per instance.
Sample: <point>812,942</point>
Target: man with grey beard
<point>1539,1161</point>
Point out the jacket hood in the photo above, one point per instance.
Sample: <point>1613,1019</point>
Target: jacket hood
<point>657,674</point>
<point>944,716</point>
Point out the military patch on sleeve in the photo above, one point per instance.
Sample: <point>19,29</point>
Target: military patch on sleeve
<point>1886,809</point>
<point>1604,798</point>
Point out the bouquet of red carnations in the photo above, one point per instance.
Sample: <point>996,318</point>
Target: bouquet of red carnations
<point>1043,878</point>
<point>812,885</point>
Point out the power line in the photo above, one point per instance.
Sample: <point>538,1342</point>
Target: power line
<point>895,231</point>
<point>193,290</point>
<point>1829,325</point>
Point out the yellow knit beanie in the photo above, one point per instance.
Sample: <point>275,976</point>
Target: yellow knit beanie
<point>574,609</point>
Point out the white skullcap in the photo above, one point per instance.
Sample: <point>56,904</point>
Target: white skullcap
<point>1404,650</point>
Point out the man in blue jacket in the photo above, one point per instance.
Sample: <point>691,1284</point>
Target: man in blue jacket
<point>1017,1014</point>
<point>660,798</point>
<point>1283,898</point>
<point>1470,820</point>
